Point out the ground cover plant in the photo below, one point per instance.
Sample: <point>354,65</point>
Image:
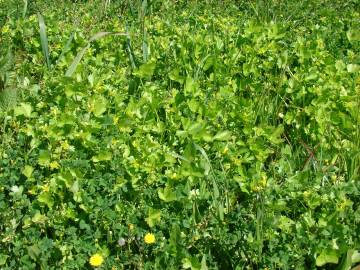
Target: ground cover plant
<point>179,134</point>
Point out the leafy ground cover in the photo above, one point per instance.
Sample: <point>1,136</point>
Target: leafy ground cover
<point>179,134</point>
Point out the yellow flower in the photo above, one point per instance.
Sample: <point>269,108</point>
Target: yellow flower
<point>96,260</point>
<point>149,238</point>
<point>54,165</point>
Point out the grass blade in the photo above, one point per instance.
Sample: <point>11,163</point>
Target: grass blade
<point>70,71</point>
<point>66,47</point>
<point>25,8</point>
<point>44,40</point>
<point>129,49</point>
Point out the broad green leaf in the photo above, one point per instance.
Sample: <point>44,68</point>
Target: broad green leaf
<point>34,251</point>
<point>44,158</point>
<point>23,109</point>
<point>327,256</point>
<point>27,171</point>
<point>340,65</point>
<point>99,104</point>
<point>355,258</point>
<point>167,194</point>
<point>190,86</point>
<point>46,198</point>
<point>222,136</point>
<point>153,218</point>
<point>39,218</point>
<point>275,137</point>
<point>192,263</point>
<point>145,71</point>
<point>75,187</point>
<point>352,68</point>
<point>102,156</point>
<point>174,75</point>
<point>203,263</point>
<point>3,258</point>
<point>353,35</point>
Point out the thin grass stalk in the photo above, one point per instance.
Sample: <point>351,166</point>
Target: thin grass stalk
<point>44,40</point>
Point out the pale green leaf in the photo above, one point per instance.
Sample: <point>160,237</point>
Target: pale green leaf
<point>352,68</point>
<point>100,106</point>
<point>46,198</point>
<point>222,136</point>
<point>145,70</point>
<point>44,158</point>
<point>153,218</point>
<point>167,194</point>
<point>27,171</point>
<point>3,258</point>
<point>327,256</point>
<point>102,156</point>
<point>23,109</point>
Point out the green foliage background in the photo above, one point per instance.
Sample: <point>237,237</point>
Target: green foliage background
<point>229,129</point>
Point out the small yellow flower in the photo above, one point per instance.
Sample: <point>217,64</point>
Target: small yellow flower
<point>54,165</point>
<point>131,227</point>
<point>96,260</point>
<point>149,238</point>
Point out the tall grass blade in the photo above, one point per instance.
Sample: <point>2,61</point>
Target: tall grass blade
<point>66,47</point>
<point>25,8</point>
<point>129,49</point>
<point>145,47</point>
<point>44,40</point>
<point>70,71</point>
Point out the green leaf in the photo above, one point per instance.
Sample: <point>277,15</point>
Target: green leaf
<point>190,86</point>
<point>352,68</point>
<point>222,136</point>
<point>167,194</point>
<point>46,198</point>
<point>353,35</point>
<point>275,137</point>
<point>34,251</point>
<point>102,156</point>
<point>23,109</point>
<point>145,71</point>
<point>153,218</point>
<point>75,187</point>
<point>192,263</point>
<point>3,258</point>
<point>203,263</point>
<point>39,218</point>
<point>355,258</point>
<point>327,256</point>
<point>44,158</point>
<point>27,171</point>
<point>100,105</point>
<point>174,75</point>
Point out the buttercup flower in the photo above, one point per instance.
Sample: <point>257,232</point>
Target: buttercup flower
<point>96,260</point>
<point>149,238</point>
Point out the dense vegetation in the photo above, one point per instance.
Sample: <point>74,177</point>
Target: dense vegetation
<point>179,134</point>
